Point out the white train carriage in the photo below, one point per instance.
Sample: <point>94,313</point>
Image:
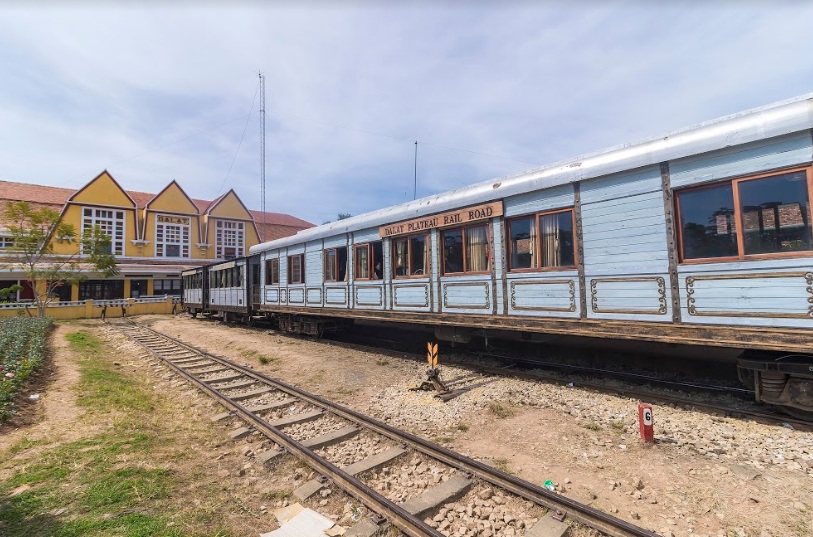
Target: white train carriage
<point>192,294</point>
<point>699,237</point>
<point>224,289</point>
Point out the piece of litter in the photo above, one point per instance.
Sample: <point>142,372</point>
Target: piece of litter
<point>569,384</point>
<point>307,523</point>
<point>34,396</point>
<point>787,426</point>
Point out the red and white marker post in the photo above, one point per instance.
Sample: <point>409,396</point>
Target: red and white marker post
<point>645,422</point>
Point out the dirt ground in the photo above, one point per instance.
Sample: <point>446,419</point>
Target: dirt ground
<point>660,487</point>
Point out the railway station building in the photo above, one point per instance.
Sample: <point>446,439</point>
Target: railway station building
<point>154,236</point>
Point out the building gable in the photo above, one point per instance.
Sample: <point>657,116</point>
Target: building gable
<point>104,191</point>
<point>229,206</point>
<point>172,199</point>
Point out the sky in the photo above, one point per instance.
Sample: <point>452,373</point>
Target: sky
<point>153,93</point>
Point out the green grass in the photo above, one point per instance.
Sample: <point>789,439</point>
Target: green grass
<point>102,385</point>
<point>114,483</point>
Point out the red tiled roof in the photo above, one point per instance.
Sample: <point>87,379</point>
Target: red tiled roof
<point>278,224</point>
<point>49,195</point>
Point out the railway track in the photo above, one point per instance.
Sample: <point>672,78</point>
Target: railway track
<point>256,399</point>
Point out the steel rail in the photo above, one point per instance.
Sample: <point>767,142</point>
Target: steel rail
<point>398,516</point>
<point>584,514</point>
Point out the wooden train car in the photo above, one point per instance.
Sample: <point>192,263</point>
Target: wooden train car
<point>223,288</point>
<point>699,237</point>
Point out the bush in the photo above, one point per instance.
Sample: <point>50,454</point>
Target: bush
<point>22,351</point>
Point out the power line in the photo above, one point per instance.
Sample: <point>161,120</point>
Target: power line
<point>248,117</point>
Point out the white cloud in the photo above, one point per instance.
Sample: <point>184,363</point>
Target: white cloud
<point>89,87</point>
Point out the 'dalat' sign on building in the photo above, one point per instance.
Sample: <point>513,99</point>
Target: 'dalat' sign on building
<point>451,218</point>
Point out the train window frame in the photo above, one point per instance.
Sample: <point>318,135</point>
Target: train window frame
<point>738,218</point>
<point>300,276</point>
<point>340,256</point>
<point>370,247</point>
<point>537,252</point>
<point>463,229</point>
<point>410,271</point>
<point>272,271</point>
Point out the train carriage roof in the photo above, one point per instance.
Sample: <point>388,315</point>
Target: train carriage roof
<point>768,121</point>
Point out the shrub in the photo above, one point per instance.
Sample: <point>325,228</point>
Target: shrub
<point>22,351</point>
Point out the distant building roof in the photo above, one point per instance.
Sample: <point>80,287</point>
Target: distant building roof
<point>277,225</point>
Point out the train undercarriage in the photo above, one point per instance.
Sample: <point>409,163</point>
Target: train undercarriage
<point>785,381</point>
<point>782,380</point>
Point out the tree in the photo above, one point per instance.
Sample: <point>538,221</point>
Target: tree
<point>35,232</point>
<point>341,216</point>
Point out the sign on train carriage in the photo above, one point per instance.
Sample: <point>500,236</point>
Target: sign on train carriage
<point>451,218</point>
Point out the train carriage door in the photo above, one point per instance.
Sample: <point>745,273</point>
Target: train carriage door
<point>253,291</point>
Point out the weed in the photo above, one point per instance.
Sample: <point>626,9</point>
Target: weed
<point>617,425</point>
<point>265,360</point>
<point>443,440</point>
<point>276,495</point>
<point>501,465</point>
<point>593,426</point>
<point>500,409</point>
<point>382,361</point>
<point>462,427</point>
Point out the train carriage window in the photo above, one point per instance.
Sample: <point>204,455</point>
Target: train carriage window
<point>466,250</point>
<point>746,218</point>
<point>369,261</point>
<point>362,264</point>
<point>708,226</point>
<point>542,241</point>
<point>336,264</point>
<point>775,214</point>
<point>272,272</point>
<point>409,256</point>
<point>296,268</point>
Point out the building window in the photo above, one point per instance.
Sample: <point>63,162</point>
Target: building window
<point>296,269</point>
<point>6,242</point>
<point>229,239</point>
<point>369,261</point>
<point>747,218</point>
<point>542,241</point>
<point>167,286</point>
<point>410,256</point>
<point>336,264</point>
<point>466,250</point>
<point>101,289</point>
<point>110,222</point>
<point>171,236</point>
<point>272,272</point>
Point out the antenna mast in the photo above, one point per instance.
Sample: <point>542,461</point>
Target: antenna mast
<point>262,147</point>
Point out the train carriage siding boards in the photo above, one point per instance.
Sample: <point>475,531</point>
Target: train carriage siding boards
<point>701,236</point>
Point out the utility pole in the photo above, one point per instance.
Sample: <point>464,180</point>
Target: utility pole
<point>262,147</point>
<point>415,187</point>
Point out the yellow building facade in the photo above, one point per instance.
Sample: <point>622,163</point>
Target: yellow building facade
<point>153,236</point>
